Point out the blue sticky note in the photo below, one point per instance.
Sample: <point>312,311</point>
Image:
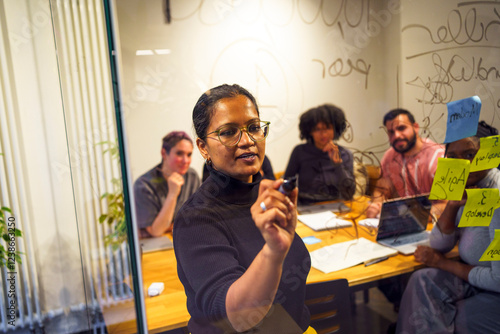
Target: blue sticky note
<point>463,116</point>
<point>311,240</point>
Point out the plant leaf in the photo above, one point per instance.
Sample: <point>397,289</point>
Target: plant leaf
<point>102,218</point>
<point>110,220</point>
<point>4,208</point>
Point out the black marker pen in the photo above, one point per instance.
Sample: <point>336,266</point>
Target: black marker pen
<point>288,185</point>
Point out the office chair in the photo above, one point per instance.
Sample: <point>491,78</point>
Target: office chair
<point>330,306</point>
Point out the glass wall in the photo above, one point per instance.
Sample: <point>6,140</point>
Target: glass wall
<point>365,56</point>
<point>63,156</point>
<point>60,175</point>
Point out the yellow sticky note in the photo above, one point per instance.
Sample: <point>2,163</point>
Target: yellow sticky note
<point>450,179</point>
<point>492,253</point>
<point>488,155</point>
<point>480,206</point>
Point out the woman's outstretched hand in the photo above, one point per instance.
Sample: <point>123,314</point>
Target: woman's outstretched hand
<point>278,221</point>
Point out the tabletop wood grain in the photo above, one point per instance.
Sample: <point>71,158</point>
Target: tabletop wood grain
<point>168,310</point>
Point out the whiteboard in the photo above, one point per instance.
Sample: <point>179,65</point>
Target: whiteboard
<point>365,56</point>
<point>449,53</point>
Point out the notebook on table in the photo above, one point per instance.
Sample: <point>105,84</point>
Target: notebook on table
<point>333,206</point>
<point>325,220</point>
<point>347,254</point>
<point>403,223</point>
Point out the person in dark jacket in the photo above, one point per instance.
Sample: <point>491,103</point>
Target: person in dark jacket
<point>325,169</point>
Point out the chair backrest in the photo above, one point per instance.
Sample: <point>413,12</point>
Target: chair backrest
<point>373,176</point>
<point>361,179</point>
<point>330,306</point>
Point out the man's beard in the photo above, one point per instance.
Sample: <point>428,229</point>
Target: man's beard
<point>409,144</point>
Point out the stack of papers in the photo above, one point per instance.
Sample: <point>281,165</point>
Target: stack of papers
<point>348,254</point>
<point>323,221</point>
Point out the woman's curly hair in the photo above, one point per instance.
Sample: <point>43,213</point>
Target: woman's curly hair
<point>326,113</point>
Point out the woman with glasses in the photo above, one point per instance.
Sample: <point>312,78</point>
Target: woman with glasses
<point>325,169</point>
<point>456,296</point>
<point>238,256</point>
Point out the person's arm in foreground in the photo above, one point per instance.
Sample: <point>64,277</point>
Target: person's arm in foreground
<point>436,259</point>
<point>381,192</point>
<point>251,296</point>
<point>163,221</point>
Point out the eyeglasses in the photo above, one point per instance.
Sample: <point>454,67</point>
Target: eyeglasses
<point>230,135</point>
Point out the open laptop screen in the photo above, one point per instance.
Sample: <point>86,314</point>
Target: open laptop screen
<point>403,216</point>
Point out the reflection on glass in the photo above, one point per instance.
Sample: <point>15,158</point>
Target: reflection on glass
<point>59,172</point>
<point>366,56</point>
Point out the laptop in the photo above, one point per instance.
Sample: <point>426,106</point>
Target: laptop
<point>155,244</point>
<point>403,223</point>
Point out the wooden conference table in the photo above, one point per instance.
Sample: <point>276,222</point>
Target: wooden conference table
<point>168,311</point>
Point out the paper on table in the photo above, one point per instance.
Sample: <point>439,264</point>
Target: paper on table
<point>369,222</point>
<point>323,220</point>
<point>348,254</point>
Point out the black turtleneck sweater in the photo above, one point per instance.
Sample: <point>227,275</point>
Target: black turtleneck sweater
<point>216,240</point>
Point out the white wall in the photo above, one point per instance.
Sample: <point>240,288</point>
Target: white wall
<point>276,49</point>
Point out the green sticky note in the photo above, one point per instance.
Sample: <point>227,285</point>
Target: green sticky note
<point>450,179</point>
<point>488,155</point>
<point>480,206</point>
<point>492,253</point>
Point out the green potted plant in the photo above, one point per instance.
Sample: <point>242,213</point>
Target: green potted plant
<point>115,216</point>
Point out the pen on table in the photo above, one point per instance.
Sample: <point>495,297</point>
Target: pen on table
<point>380,259</point>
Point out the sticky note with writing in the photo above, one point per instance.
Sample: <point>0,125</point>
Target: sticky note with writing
<point>488,155</point>
<point>450,179</point>
<point>492,253</point>
<point>463,116</point>
<point>480,206</point>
